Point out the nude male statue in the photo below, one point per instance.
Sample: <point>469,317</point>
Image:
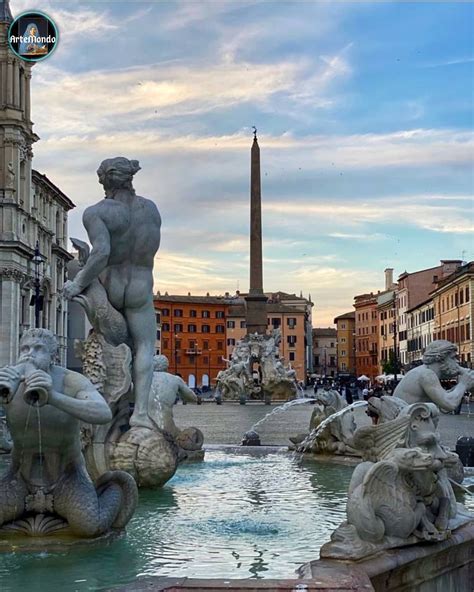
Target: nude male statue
<point>47,472</point>
<point>165,388</point>
<point>422,384</point>
<point>124,230</point>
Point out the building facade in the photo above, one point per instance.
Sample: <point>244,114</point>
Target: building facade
<point>325,351</point>
<point>420,331</point>
<point>346,355</point>
<point>413,289</point>
<point>388,350</point>
<point>192,335</point>
<point>454,311</point>
<point>366,335</point>
<point>33,218</point>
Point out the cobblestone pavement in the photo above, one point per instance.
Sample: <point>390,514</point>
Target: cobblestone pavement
<point>226,423</point>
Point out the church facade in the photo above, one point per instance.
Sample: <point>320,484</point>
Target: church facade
<point>33,217</point>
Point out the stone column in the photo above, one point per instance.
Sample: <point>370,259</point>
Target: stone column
<point>10,82</point>
<point>256,314</point>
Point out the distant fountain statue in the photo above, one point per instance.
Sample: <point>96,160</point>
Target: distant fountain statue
<point>115,288</point>
<point>400,495</point>
<point>47,488</point>
<point>256,369</point>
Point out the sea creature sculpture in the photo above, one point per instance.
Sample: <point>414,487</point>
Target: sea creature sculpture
<point>47,487</point>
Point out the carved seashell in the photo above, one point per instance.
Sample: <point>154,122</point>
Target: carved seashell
<point>38,525</point>
<point>149,456</point>
<point>190,439</point>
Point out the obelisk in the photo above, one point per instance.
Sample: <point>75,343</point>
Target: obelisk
<point>256,313</point>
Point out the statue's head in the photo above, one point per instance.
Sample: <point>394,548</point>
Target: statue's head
<point>39,347</point>
<point>160,363</point>
<point>444,353</point>
<point>117,173</point>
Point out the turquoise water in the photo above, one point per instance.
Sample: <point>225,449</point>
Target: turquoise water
<point>234,515</point>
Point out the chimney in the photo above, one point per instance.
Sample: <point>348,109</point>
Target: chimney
<point>388,278</point>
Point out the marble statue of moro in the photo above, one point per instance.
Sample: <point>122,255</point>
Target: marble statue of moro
<point>422,384</point>
<point>124,231</point>
<point>44,406</point>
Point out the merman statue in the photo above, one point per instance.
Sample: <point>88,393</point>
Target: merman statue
<point>47,487</point>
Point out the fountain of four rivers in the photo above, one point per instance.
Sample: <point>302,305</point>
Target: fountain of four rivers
<point>259,513</point>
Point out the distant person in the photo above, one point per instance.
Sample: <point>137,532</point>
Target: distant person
<point>365,393</point>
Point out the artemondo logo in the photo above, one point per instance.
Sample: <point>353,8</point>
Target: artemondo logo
<point>33,36</point>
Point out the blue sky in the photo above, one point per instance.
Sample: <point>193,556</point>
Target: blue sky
<point>365,119</point>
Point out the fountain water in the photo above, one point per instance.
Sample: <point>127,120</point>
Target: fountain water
<point>310,440</point>
<point>280,409</point>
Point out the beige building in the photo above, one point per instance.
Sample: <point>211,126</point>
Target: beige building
<point>325,351</point>
<point>454,311</point>
<point>414,288</point>
<point>345,330</point>
<point>387,343</point>
<point>420,330</point>
<point>33,217</point>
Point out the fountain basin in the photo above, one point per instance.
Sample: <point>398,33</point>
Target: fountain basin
<point>235,515</point>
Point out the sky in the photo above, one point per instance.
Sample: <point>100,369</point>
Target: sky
<point>364,113</point>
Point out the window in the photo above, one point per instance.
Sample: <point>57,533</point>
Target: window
<point>343,340</point>
<point>193,314</point>
<point>177,343</point>
<point>242,324</point>
<point>467,294</point>
<point>316,360</point>
<point>205,314</point>
<point>275,323</point>
<point>343,366</point>
<point>165,327</point>
<point>205,345</point>
<point>291,356</point>
<point>343,325</point>
<point>165,312</point>
<point>158,319</point>
<point>220,345</point>
<point>343,352</point>
<point>206,329</point>
<point>178,312</point>
<point>165,343</point>
<point>231,342</point>
<point>220,329</point>
<point>332,343</point>
<point>291,339</point>
<point>190,359</point>
<point>291,322</point>
<point>158,334</point>
<point>219,314</point>
<point>191,328</point>
<point>230,324</point>
<point>178,328</point>
<point>205,359</point>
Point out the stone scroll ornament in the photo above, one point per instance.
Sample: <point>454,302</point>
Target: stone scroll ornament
<point>47,488</point>
<point>400,495</point>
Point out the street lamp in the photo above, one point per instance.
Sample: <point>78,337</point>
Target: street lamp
<point>37,298</point>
